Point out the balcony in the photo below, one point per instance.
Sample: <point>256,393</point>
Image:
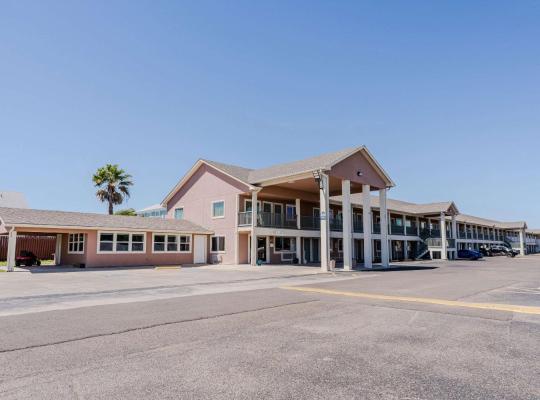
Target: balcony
<point>376,228</point>
<point>336,224</point>
<point>437,242</point>
<point>267,220</point>
<point>397,229</point>
<point>412,230</point>
<point>309,222</point>
<point>462,235</point>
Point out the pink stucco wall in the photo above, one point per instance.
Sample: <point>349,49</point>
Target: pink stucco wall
<point>92,259</point>
<point>348,168</point>
<point>196,196</point>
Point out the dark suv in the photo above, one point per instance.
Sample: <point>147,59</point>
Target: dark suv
<point>27,258</point>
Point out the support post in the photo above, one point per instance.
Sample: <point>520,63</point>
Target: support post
<point>325,228</point>
<point>253,257</point>
<point>58,250</point>
<point>298,219</point>
<point>347,222</point>
<point>11,250</point>
<point>522,242</point>
<point>368,227</point>
<point>444,250</point>
<point>385,254</point>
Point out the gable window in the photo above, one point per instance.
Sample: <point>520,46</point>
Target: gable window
<point>76,243</point>
<point>121,242</point>
<point>218,244</point>
<point>285,244</point>
<point>218,209</point>
<point>171,243</point>
<point>179,213</point>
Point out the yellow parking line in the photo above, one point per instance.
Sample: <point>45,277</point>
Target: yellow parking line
<point>441,302</point>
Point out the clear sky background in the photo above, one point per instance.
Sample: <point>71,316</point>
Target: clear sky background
<point>446,95</point>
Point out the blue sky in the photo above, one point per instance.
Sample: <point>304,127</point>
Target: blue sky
<point>445,95</point>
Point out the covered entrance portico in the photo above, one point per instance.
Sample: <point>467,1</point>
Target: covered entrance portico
<point>304,213</point>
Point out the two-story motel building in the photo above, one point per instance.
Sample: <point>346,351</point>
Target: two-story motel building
<point>310,211</point>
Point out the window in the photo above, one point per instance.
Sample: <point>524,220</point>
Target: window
<point>179,213</point>
<point>106,241</point>
<point>137,242</point>
<point>285,244</point>
<point>121,242</point>
<point>290,212</point>
<point>172,243</point>
<point>218,209</point>
<point>218,244</point>
<point>185,244</point>
<point>76,243</point>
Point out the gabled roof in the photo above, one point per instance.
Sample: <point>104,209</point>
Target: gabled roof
<point>321,162</point>
<point>471,219</point>
<point>235,171</point>
<point>406,207</point>
<point>253,177</point>
<point>25,217</point>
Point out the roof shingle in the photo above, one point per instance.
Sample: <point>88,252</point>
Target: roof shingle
<point>37,218</point>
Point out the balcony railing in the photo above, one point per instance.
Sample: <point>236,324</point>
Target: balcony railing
<point>462,235</point>
<point>358,225</point>
<point>376,228</point>
<point>266,219</point>
<point>336,224</point>
<point>412,230</point>
<point>437,242</point>
<point>244,218</point>
<point>310,223</point>
<point>397,229</point>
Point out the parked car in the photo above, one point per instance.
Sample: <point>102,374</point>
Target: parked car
<point>511,252</point>
<point>27,258</point>
<point>486,251</point>
<point>498,250</point>
<point>469,254</point>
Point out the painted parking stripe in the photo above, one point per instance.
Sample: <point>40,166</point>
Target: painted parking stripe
<point>449,303</point>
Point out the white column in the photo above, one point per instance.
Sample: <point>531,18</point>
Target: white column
<point>11,250</point>
<point>522,242</point>
<point>325,227</point>
<point>366,220</point>
<point>253,228</point>
<point>404,224</point>
<point>298,219</point>
<point>347,222</point>
<point>444,252</point>
<point>299,249</point>
<point>58,250</point>
<point>405,250</point>
<point>454,227</point>
<point>385,255</point>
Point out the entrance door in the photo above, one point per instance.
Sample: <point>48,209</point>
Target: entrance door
<point>311,250</point>
<point>261,249</point>
<point>199,251</point>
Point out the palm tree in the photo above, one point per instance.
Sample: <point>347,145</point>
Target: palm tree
<point>113,183</point>
<point>128,212</point>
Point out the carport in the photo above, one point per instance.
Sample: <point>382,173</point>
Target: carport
<point>98,240</point>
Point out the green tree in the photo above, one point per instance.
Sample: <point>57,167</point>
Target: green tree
<point>113,183</point>
<point>126,211</point>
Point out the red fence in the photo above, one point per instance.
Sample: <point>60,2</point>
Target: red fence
<point>42,246</point>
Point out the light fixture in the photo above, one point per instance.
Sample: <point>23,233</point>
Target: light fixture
<point>318,178</point>
<point>359,173</point>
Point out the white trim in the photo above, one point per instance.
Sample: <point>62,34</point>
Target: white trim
<point>77,241</point>
<point>114,241</point>
<point>76,228</point>
<point>165,243</point>
<point>224,244</point>
<point>212,209</point>
<point>286,214</point>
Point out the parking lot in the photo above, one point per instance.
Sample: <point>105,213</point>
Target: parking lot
<point>447,330</point>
